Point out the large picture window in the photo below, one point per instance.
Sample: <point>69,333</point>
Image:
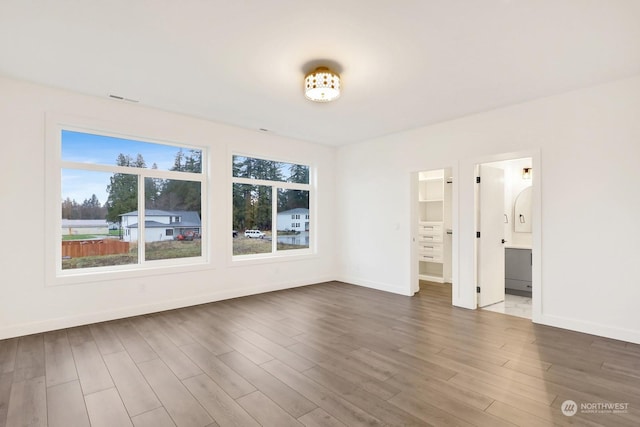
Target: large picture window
<point>269,200</point>
<point>127,203</point>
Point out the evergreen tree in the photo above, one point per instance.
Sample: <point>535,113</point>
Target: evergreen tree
<point>183,195</point>
<point>299,174</point>
<point>91,208</point>
<point>153,188</point>
<point>123,189</point>
<point>252,203</point>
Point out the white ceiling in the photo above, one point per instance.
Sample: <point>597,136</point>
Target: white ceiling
<point>404,63</point>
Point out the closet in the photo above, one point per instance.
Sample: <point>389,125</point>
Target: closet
<point>434,225</point>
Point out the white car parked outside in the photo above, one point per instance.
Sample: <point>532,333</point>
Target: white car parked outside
<point>254,234</point>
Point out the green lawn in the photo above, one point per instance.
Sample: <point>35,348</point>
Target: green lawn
<point>83,236</point>
<point>246,246</point>
<point>154,251</point>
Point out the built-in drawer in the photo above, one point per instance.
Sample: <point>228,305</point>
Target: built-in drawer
<point>430,248</point>
<point>429,229</point>
<point>426,238</point>
<point>430,258</point>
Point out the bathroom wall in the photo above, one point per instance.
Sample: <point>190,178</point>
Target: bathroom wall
<point>513,185</point>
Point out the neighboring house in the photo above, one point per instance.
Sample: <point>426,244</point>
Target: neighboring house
<point>293,220</point>
<point>160,225</point>
<point>84,226</point>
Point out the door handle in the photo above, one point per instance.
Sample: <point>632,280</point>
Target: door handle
<point>504,241</point>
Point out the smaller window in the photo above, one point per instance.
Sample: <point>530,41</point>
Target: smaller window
<point>168,232</point>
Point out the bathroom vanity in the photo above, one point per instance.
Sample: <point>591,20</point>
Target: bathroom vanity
<point>518,261</point>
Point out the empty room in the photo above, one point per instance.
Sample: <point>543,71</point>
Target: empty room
<point>320,214</point>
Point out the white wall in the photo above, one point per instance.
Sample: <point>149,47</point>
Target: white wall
<point>587,144</point>
<point>585,147</point>
<point>29,304</point>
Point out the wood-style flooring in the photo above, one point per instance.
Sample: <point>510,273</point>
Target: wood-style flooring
<point>331,354</point>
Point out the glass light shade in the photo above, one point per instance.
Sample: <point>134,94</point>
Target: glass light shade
<point>322,85</point>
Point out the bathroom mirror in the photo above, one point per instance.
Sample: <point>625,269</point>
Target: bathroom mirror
<point>522,212</point>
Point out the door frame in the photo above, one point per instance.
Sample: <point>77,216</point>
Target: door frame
<point>468,169</point>
<point>413,220</point>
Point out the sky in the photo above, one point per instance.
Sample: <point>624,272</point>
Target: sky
<point>82,147</point>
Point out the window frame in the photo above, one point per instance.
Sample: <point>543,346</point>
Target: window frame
<point>54,164</point>
<point>275,254</point>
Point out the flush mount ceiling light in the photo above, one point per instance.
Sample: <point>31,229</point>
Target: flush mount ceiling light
<point>322,85</point>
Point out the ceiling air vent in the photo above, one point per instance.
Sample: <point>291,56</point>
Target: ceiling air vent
<point>122,98</point>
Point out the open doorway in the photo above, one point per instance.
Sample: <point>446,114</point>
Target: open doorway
<point>504,244</point>
<point>433,228</point>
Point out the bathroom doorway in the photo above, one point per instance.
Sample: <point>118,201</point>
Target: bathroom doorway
<point>504,240</point>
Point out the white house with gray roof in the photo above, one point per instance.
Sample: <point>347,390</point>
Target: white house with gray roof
<point>293,220</point>
<point>160,225</point>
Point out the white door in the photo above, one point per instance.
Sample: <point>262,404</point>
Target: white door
<point>490,253</point>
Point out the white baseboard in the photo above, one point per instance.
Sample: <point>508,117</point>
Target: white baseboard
<point>627,335</point>
<point>121,313</point>
<point>376,285</point>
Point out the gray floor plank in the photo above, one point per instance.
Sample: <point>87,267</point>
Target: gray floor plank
<point>8,351</point>
<point>174,358</point>
<point>279,352</point>
<point>230,381</point>
<point>172,327</point>
<point>106,409</point>
<point>59,364</point>
<point>28,403</point>
<point>154,418</point>
<point>224,410</point>
<point>184,409</point>
<point>327,400</point>
<point>66,406</point>
<point>106,338</point>
<point>29,358</point>
<point>286,397</point>
<point>92,371</point>
<point>132,341</point>
<point>206,337</point>
<point>6,380</point>
<point>131,384</point>
<point>320,418</point>
<point>354,394</point>
<point>266,411</point>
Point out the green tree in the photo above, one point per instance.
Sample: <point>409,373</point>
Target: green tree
<point>183,195</point>
<point>70,209</point>
<point>92,209</point>
<point>299,174</point>
<point>153,188</point>
<point>123,189</point>
<point>252,203</point>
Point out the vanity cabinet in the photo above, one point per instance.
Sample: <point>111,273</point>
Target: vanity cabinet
<point>518,271</point>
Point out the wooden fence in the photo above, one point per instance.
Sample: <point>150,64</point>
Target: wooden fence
<point>83,248</point>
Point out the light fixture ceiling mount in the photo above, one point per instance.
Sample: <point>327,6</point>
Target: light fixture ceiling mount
<point>322,85</point>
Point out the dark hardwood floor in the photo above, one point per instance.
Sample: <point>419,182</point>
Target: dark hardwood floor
<point>325,355</point>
